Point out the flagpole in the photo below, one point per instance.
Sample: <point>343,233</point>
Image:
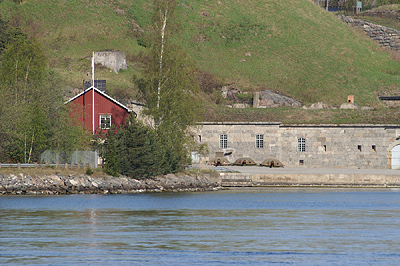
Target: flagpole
<point>93,126</point>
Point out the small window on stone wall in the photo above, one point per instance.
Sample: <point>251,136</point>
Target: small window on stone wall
<point>324,147</point>
<point>301,162</point>
<point>301,144</point>
<point>223,141</point>
<point>359,147</point>
<point>259,141</point>
<point>374,147</point>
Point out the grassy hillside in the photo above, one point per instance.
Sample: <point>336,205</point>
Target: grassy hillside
<point>71,30</point>
<point>294,47</point>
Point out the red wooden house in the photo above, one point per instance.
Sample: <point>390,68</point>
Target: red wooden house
<point>105,111</point>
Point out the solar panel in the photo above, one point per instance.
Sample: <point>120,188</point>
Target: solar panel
<point>98,83</point>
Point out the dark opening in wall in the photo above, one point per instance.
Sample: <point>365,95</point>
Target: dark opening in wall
<point>374,147</point>
<point>359,147</point>
<point>301,162</point>
<point>324,147</point>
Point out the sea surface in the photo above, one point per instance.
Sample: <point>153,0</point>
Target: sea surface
<point>247,226</point>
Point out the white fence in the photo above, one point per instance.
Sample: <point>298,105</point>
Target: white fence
<point>41,165</point>
<point>73,158</point>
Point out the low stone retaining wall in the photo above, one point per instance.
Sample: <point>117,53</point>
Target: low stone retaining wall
<point>347,180</point>
<point>84,184</point>
<point>387,37</point>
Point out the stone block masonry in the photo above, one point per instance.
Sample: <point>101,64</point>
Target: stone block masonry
<point>339,146</point>
<point>386,37</point>
<point>329,180</point>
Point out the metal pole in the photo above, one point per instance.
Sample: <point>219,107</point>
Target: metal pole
<point>93,127</point>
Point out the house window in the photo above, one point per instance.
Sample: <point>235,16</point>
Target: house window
<point>374,147</point>
<point>105,121</point>
<point>223,141</point>
<point>301,144</point>
<point>359,147</point>
<point>259,141</point>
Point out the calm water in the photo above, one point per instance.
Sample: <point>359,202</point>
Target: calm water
<point>257,226</point>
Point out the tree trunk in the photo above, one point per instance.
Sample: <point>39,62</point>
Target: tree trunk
<point>16,81</point>
<point>164,19</point>
<point>26,78</point>
<point>25,150</point>
<point>30,150</point>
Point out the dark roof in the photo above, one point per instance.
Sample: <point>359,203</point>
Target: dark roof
<point>103,94</point>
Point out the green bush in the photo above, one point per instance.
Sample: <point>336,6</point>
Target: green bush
<point>89,171</point>
<point>139,151</point>
<point>245,97</point>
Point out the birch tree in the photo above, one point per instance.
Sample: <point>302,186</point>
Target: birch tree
<point>169,84</point>
<point>32,113</point>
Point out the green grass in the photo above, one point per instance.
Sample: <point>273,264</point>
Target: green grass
<point>71,30</point>
<point>294,47</point>
<point>301,116</point>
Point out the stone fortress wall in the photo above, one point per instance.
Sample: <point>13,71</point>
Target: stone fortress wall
<point>387,37</point>
<point>341,146</point>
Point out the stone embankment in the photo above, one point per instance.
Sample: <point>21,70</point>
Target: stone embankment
<point>309,180</point>
<point>387,37</point>
<point>83,184</point>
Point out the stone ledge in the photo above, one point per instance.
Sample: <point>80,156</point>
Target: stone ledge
<point>342,180</point>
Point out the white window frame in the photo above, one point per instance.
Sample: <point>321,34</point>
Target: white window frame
<point>301,144</point>
<point>223,141</point>
<point>260,141</point>
<point>104,125</point>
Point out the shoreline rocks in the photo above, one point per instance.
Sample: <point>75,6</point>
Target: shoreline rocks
<point>83,184</point>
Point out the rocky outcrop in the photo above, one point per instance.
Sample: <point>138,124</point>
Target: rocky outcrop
<point>317,106</point>
<point>83,184</point>
<point>268,99</point>
<point>350,106</point>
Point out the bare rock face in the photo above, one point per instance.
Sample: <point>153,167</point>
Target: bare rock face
<point>241,105</point>
<point>268,99</point>
<point>317,106</point>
